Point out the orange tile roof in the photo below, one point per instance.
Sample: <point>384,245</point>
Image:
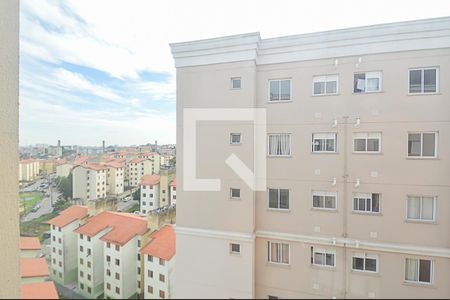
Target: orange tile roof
<point>38,290</point>
<point>33,267</point>
<point>81,160</point>
<point>137,160</point>
<point>124,226</point>
<point>162,243</point>
<point>150,179</point>
<point>173,182</point>
<point>148,153</point>
<point>67,216</point>
<point>29,243</point>
<point>95,167</point>
<point>116,159</point>
<point>26,161</point>
<point>114,164</point>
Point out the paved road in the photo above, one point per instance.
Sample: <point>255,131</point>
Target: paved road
<point>123,206</point>
<point>68,291</point>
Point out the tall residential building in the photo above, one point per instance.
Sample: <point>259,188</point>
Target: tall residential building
<point>149,192</point>
<point>9,148</point>
<point>136,168</point>
<point>358,139</point>
<point>63,243</point>
<point>89,181</point>
<point>115,177</point>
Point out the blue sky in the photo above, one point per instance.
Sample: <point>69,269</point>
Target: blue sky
<point>102,69</point>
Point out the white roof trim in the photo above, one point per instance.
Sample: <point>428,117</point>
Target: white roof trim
<point>392,37</point>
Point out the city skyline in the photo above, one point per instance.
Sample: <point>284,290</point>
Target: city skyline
<point>85,76</point>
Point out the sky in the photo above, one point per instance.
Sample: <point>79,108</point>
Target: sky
<point>93,70</point>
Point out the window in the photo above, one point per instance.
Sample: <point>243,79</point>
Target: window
<point>421,208</point>
<point>279,90</point>
<point>235,138</point>
<point>108,286</point>
<point>279,198</point>
<point>423,80</point>
<point>162,278</point>
<point>88,264</point>
<point>150,289</point>
<point>150,274</point>
<point>279,144</point>
<point>117,290</point>
<point>59,240</point>
<point>89,277</point>
<point>81,274</point>
<point>325,85</point>
<point>422,144</point>
<point>365,262</point>
<point>324,200</point>
<point>117,248</point>
<point>323,257</point>
<point>117,262</point>
<point>367,82</point>
<point>138,256</point>
<point>54,238</point>
<point>88,238</point>
<point>138,284</point>
<point>418,270</point>
<point>108,258</point>
<point>150,258</point>
<point>162,294</point>
<point>236,82</point>
<point>60,252</point>
<point>367,142</point>
<point>81,236</point>
<point>162,262</point>
<point>235,248</point>
<point>139,270</point>
<point>278,253</point>
<point>89,251</point>
<point>364,202</point>
<point>81,286</point>
<point>89,290</point>
<point>324,142</point>
<point>81,248</point>
<point>139,243</point>
<point>81,261</point>
<point>108,272</point>
<point>235,193</point>
<point>117,276</point>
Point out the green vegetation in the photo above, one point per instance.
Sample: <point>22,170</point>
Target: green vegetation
<point>37,227</point>
<point>137,194</point>
<point>28,200</point>
<point>65,186</point>
<point>133,208</point>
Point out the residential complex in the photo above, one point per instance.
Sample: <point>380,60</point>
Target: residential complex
<point>89,181</point>
<point>105,251</point>
<point>357,160</point>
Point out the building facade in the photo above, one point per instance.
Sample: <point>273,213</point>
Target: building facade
<point>149,192</point>
<point>136,168</point>
<point>89,181</point>
<point>357,165</point>
<point>115,177</point>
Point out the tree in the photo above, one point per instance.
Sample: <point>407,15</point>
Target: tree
<point>65,186</point>
<point>137,194</point>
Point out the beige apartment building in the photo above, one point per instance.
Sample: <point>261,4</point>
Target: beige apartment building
<point>89,181</point>
<point>358,139</point>
<point>115,177</point>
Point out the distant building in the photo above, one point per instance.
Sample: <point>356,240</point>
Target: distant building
<point>138,167</point>
<point>115,177</point>
<point>149,192</point>
<point>63,169</point>
<point>173,191</point>
<point>89,181</point>
<point>28,169</point>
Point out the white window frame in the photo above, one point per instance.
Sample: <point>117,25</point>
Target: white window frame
<point>418,271</point>
<point>279,92</point>
<point>422,88</point>
<point>235,252</point>
<point>365,256</point>
<point>326,79</point>
<point>280,252</point>
<point>421,206</point>
<point>231,193</point>
<point>232,79</point>
<point>324,194</point>
<point>366,196</point>
<point>279,155</point>
<point>436,144</point>
<point>366,136</point>
<point>324,133</point>
<point>324,252</point>
<point>369,74</point>
<point>235,134</point>
<point>278,201</point>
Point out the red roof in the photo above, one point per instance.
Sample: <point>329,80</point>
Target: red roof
<point>29,243</point>
<point>67,216</point>
<point>150,179</point>
<point>38,290</point>
<point>33,267</point>
<point>124,226</point>
<point>162,243</point>
<point>118,159</point>
<point>138,160</point>
<point>26,161</point>
<point>81,160</point>
<point>114,164</point>
<point>173,182</point>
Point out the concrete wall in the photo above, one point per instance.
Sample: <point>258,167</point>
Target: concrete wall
<point>9,114</point>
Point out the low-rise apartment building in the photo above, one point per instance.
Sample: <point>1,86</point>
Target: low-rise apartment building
<point>136,168</point>
<point>63,244</point>
<point>108,244</point>
<point>29,246</point>
<point>89,181</point>
<point>28,169</point>
<point>159,261</point>
<point>63,169</point>
<point>173,191</point>
<point>149,192</point>
<point>356,150</point>
<point>115,177</point>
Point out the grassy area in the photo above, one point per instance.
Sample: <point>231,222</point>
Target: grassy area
<point>133,208</point>
<point>27,201</point>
